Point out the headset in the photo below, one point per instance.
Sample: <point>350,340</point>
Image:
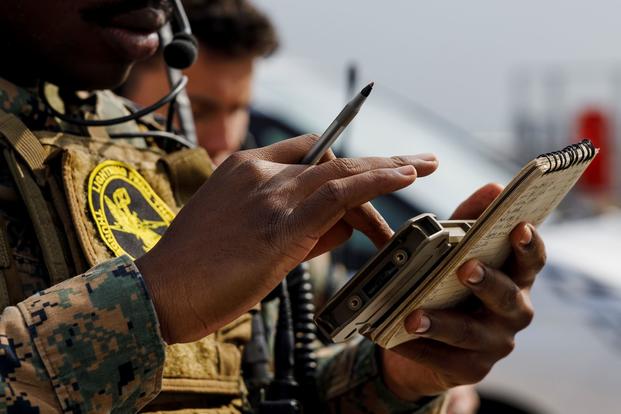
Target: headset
<point>180,52</point>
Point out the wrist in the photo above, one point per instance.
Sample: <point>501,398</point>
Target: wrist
<point>405,384</point>
<point>398,388</point>
<point>152,279</point>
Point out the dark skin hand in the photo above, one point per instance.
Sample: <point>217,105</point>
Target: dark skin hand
<point>460,346</point>
<point>258,216</point>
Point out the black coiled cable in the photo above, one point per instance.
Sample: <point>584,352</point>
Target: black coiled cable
<point>305,333</point>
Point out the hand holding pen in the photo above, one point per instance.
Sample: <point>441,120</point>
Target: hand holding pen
<point>364,218</point>
<point>258,216</point>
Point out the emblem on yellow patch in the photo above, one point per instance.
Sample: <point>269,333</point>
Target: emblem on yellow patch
<point>129,216</point>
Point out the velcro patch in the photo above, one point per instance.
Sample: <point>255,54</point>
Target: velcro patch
<point>129,215</point>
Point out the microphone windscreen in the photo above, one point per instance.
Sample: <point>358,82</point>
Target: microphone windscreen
<point>181,52</point>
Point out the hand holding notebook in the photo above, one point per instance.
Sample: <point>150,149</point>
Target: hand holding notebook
<point>530,197</point>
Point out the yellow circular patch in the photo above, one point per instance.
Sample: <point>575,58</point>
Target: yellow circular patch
<point>130,217</point>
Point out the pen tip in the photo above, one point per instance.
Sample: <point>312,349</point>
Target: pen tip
<point>367,89</point>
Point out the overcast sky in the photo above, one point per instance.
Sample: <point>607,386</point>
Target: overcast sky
<point>455,57</point>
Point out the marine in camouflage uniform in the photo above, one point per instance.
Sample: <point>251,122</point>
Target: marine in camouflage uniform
<point>91,343</point>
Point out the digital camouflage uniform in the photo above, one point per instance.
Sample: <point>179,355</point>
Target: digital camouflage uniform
<point>91,343</point>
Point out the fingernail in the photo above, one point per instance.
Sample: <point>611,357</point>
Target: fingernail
<point>407,170</point>
<point>423,162</point>
<point>427,157</point>
<point>423,324</point>
<point>476,275</point>
<point>527,237</point>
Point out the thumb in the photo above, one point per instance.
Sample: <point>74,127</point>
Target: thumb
<point>477,202</point>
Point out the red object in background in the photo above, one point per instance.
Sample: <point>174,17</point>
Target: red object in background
<point>595,125</point>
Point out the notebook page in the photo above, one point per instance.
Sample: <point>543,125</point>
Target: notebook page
<point>534,205</point>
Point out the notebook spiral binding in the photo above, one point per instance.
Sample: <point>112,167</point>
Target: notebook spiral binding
<point>569,156</point>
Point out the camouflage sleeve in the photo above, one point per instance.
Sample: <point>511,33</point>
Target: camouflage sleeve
<point>349,382</point>
<point>90,344</point>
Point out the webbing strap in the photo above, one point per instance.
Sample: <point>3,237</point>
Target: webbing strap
<point>39,213</point>
<point>23,141</point>
<point>4,291</point>
<point>5,265</point>
<point>11,290</point>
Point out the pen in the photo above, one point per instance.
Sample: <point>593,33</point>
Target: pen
<point>336,127</point>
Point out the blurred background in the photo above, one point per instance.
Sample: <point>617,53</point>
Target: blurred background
<point>485,85</point>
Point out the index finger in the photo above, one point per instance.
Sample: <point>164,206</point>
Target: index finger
<point>314,176</point>
<point>289,151</point>
<point>424,163</point>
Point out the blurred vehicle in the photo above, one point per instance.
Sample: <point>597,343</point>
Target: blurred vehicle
<point>569,359</point>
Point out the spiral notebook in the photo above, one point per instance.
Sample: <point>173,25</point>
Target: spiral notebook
<point>530,197</point>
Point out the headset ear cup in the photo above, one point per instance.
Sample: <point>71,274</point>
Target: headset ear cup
<point>182,51</point>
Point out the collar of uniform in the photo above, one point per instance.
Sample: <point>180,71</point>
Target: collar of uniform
<point>101,105</point>
<point>26,104</point>
<point>22,102</point>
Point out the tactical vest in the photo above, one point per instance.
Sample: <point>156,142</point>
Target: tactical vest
<point>90,199</point>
